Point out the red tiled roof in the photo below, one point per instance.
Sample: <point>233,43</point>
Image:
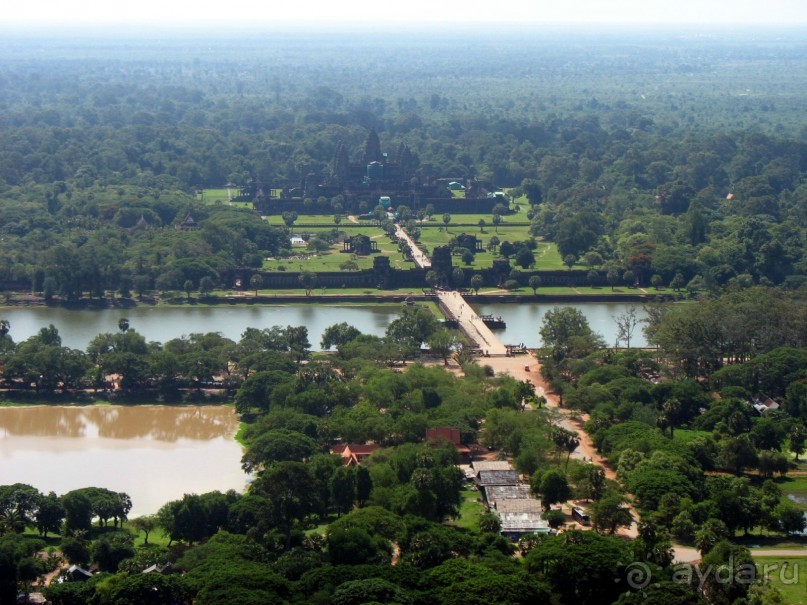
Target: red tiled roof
<point>358,448</point>
<point>449,434</point>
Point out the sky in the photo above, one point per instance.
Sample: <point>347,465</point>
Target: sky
<point>190,12</point>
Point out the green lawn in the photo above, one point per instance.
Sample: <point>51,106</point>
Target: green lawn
<point>556,291</point>
<point>470,510</point>
<point>432,234</point>
<point>471,221</point>
<point>319,291</point>
<point>687,435</point>
<point>332,259</point>
<point>220,196</point>
<point>157,537</point>
<point>788,575</point>
<point>319,219</point>
<point>796,487</point>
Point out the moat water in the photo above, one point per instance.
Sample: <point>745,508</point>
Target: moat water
<point>78,327</point>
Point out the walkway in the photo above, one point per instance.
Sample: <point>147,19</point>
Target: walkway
<point>455,307</point>
<point>421,260</point>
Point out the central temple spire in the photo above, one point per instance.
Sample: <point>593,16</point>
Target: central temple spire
<point>372,148</point>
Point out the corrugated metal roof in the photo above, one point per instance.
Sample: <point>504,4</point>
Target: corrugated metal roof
<point>486,478</point>
<point>492,465</point>
<point>522,522</point>
<point>525,505</point>
<point>494,493</point>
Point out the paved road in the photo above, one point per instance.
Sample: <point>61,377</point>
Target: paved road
<point>455,307</point>
<point>685,554</point>
<point>421,260</point>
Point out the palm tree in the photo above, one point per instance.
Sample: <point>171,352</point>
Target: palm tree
<point>255,282</point>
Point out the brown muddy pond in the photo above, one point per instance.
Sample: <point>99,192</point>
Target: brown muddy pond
<point>153,453</point>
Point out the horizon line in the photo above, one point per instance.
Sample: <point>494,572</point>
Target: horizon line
<point>226,27</point>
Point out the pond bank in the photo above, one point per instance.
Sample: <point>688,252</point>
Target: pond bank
<point>382,298</point>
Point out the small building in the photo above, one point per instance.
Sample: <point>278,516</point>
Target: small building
<point>488,478</point>
<point>353,454</point>
<point>763,404</point>
<point>75,573</point>
<point>141,223</point>
<point>452,435</point>
<point>467,471</point>
<point>470,242</point>
<point>495,494</point>
<point>360,244</point>
<point>520,517</point>
<point>187,224</point>
<point>159,569</point>
<point>519,505</point>
<point>516,525</point>
<point>491,465</point>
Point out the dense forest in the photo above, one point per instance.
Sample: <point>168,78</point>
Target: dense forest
<point>660,153</point>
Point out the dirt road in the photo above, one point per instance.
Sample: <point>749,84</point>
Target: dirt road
<point>527,368</point>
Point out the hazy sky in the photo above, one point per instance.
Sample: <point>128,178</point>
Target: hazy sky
<point>178,12</point>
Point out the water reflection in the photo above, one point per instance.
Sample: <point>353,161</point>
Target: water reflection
<point>524,320</point>
<point>161,423</point>
<point>78,327</point>
<point>153,453</point>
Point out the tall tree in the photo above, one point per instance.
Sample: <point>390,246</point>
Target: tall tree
<point>255,282</point>
<point>626,323</point>
<point>565,333</point>
<point>290,491</point>
<point>308,280</point>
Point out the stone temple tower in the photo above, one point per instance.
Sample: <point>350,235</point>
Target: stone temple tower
<point>372,148</point>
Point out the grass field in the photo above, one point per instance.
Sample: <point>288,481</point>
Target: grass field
<point>788,575</point>
<point>687,435</point>
<point>432,234</point>
<point>319,219</point>
<point>330,260</point>
<point>796,489</point>
<point>318,291</point>
<point>220,196</point>
<point>470,510</point>
<point>466,222</point>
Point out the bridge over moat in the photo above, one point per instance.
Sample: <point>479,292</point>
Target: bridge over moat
<point>455,307</point>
